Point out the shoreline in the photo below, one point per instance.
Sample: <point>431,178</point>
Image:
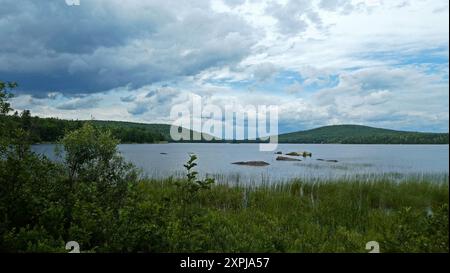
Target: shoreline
<point>257,143</point>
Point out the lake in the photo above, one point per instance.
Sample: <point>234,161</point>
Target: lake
<point>162,160</point>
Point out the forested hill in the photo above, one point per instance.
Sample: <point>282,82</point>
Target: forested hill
<point>357,134</point>
<point>52,129</point>
<point>44,130</point>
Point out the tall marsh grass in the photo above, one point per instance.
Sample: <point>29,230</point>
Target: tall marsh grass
<point>342,215</point>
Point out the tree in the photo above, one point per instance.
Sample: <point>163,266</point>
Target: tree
<point>98,177</point>
<point>92,160</point>
<point>29,187</point>
<point>5,95</point>
<point>91,155</point>
<point>26,120</point>
<point>5,108</point>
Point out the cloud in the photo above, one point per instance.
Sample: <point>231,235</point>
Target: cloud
<point>380,63</point>
<point>129,98</point>
<point>416,101</point>
<point>234,3</point>
<point>378,97</point>
<point>139,108</point>
<point>289,16</point>
<point>101,45</point>
<point>345,6</point>
<point>294,88</point>
<point>155,102</point>
<point>162,95</point>
<point>440,9</point>
<point>79,103</point>
<point>388,97</point>
<point>264,71</point>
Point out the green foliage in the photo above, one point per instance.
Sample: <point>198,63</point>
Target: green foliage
<point>5,108</point>
<point>44,204</point>
<point>335,216</point>
<point>31,214</point>
<point>99,182</point>
<point>5,95</point>
<point>192,185</point>
<point>355,134</point>
<point>90,152</point>
<point>53,129</point>
<point>419,231</point>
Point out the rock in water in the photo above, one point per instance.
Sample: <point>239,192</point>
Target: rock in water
<point>252,163</point>
<point>304,154</point>
<point>284,158</point>
<point>327,160</point>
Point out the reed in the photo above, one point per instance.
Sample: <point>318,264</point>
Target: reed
<point>410,215</point>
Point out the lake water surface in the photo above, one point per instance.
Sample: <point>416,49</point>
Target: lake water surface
<point>162,160</point>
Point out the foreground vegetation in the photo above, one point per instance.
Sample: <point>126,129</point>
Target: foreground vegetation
<point>182,216</point>
<point>92,196</point>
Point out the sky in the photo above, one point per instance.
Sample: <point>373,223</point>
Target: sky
<point>323,62</point>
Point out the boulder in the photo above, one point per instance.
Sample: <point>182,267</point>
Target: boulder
<point>284,158</point>
<point>327,160</point>
<point>252,163</point>
<point>304,154</point>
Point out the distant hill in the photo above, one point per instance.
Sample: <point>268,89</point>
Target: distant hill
<point>160,131</point>
<point>52,129</point>
<point>357,134</point>
<point>48,130</point>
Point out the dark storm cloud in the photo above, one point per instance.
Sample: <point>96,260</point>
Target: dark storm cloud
<point>101,44</point>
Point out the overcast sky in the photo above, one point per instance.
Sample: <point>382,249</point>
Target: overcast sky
<point>373,62</point>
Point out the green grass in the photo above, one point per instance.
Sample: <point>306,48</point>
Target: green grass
<point>333,216</point>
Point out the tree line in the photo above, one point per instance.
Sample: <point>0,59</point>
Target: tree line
<point>50,130</point>
<point>357,134</point>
